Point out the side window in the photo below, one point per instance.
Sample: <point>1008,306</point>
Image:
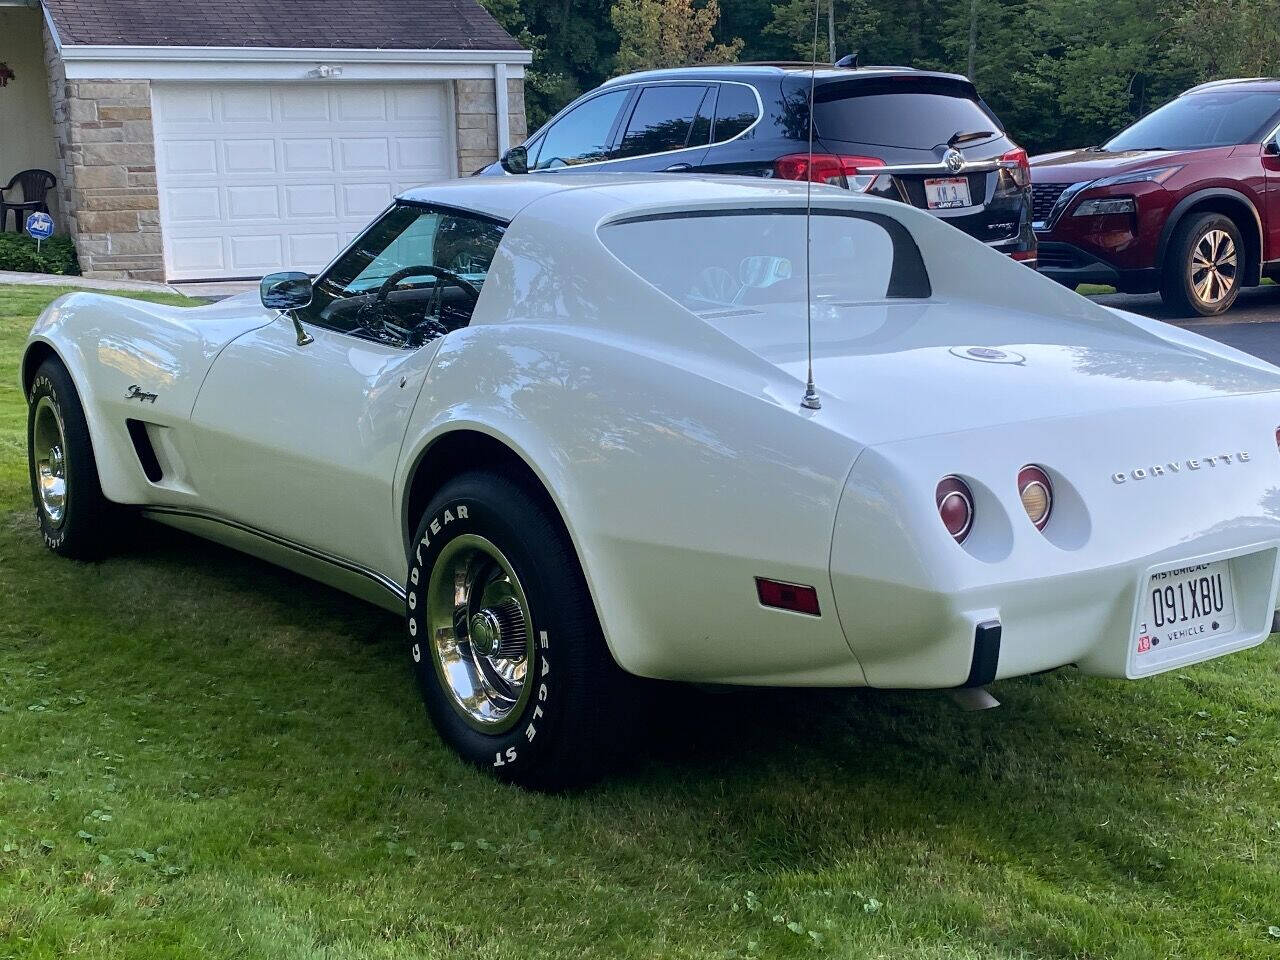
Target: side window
<point>662,120</point>
<point>356,297</point>
<point>582,134</point>
<point>736,110</point>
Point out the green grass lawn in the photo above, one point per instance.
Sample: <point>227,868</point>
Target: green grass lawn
<point>202,756</point>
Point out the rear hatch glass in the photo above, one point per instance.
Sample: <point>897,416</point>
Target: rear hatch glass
<point>913,113</point>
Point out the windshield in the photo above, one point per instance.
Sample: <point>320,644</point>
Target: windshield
<point>750,263</point>
<point>1220,118</point>
<point>901,112</point>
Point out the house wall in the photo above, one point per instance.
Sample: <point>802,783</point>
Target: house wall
<point>107,172</point>
<point>26,122</point>
<point>476,109</point>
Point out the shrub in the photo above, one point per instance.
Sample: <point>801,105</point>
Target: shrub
<point>56,255</point>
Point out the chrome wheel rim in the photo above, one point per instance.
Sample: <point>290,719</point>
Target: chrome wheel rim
<point>1213,266</point>
<point>480,635</point>
<point>49,452</point>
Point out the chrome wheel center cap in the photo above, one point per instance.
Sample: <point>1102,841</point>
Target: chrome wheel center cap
<point>50,460</point>
<point>485,632</point>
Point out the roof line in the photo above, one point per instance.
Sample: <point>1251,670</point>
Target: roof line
<point>185,52</point>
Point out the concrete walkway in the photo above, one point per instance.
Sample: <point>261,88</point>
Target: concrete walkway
<point>85,283</point>
<point>213,290</point>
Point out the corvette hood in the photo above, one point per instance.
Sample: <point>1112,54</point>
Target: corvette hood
<point>894,372</point>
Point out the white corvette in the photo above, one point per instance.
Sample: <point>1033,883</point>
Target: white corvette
<point>557,424</point>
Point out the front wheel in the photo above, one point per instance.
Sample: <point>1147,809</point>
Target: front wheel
<point>1203,269</point>
<point>75,518</point>
<point>504,639</point>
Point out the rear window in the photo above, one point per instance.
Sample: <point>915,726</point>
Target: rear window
<point>751,262</point>
<point>736,110</point>
<point>898,112</point>
<point>1218,119</point>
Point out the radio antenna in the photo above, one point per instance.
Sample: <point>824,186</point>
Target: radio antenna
<point>810,400</point>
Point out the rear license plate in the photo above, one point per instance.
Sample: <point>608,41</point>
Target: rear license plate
<point>947,192</point>
<point>1190,603</point>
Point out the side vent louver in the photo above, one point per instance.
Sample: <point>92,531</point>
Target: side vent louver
<point>145,451</point>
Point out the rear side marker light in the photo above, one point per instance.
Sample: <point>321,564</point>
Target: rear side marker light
<point>788,596</point>
<point>955,507</point>
<point>1036,493</point>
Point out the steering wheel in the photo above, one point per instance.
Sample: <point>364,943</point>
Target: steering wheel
<point>376,316</point>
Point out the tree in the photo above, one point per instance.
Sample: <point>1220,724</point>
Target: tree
<point>1226,38</point>
<point>668,33</point>
<point>856,25</point>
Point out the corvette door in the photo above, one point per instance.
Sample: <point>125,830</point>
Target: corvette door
<point>301,441</point>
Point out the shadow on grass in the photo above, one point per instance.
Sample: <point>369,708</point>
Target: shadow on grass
<point>1065,778</point>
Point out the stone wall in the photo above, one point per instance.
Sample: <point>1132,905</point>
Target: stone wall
<point>108,173</point>
<point>477,114</point>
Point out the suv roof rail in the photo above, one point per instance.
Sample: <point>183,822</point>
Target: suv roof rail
<point>1211,84</point>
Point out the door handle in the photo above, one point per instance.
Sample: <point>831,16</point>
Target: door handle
<point>678,168</point>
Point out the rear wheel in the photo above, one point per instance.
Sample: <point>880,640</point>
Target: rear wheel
<point>1203,269</point>
<point>75,518</point>
<point>504,639</point>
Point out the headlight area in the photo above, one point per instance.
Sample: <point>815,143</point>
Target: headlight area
<point>1105,206</point>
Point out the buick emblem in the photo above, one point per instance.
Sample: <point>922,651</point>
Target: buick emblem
<point>953,159</point>
<point>1178,466</point>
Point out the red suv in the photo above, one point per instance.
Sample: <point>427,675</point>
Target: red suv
<point>1186,201</point>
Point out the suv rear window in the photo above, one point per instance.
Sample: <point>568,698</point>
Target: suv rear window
<point>900,112</point>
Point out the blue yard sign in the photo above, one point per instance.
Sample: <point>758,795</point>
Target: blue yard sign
<point>40,226</point>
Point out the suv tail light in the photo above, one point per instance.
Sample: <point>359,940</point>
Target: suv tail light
<point>955,507</point>
<point>1016,167</point>
<point>840,170</point>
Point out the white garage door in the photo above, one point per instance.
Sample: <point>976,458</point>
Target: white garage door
<point>259,177</point>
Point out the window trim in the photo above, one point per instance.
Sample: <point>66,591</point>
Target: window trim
<point>633,87</point>
<point>427,205</point>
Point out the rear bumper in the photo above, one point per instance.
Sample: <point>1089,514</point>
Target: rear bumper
<point>1088,619</point>
<point>1071,265</point>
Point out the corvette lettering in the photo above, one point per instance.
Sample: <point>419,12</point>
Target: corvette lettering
<point>1179,466</point>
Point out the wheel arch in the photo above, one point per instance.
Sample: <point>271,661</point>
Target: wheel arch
<point>455,451</point>
<point>464,447</point>
<point>37,352</point>
<point>1230,203</point>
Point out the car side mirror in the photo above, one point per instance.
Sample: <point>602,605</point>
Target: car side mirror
<point>1271,148</point>
<point>285,291</point>
<point>288,292</point>
<point>516,160</point>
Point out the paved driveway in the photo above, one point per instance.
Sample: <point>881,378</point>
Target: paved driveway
<point>1252,325</point>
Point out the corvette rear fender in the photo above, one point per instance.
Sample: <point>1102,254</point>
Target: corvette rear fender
<point>676,490</point>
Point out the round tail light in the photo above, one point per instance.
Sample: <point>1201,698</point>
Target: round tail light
<point>1037,495</point>
<point>955,507</point>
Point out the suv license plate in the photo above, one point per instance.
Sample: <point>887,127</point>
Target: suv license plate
<point>947,192</point>
<point>1186,604</point>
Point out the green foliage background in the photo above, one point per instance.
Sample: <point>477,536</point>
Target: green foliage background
<point>1059,73</point>
<point>55,255</point>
